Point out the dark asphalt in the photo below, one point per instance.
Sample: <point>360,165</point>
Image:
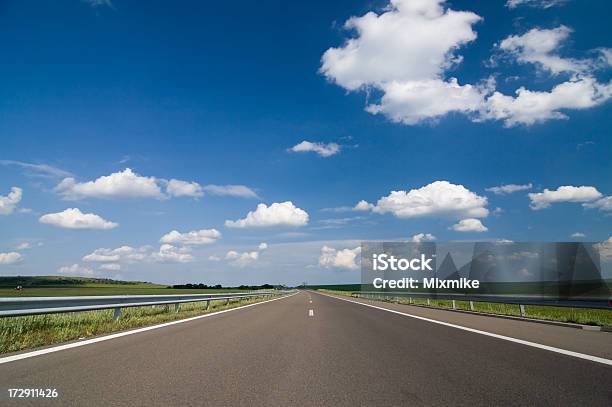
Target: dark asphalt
<point>276,354</point>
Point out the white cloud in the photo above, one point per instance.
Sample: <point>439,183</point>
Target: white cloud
<point>277,214</point>
<point>73,218</point>
<point>568,193</point>
<point>413,102</point>
<point>531,107</point>
<point>469,225</point>
<point>124,184</point>
<point>240,191</point>
<point>9,202</point>
<point>24,246</point>
<point>534,3</point>
<point>241,259</point>
<point>422,237</point>
<point>540,46</point>
<point>363,206</point>
<point>578,234</point>
<point>603,204</point>
<point>262,246</point>
<point>322,149</point>
<point>172,254</point>
<point>10,258</point>
<point>110,266</point>
<point>214,258</point>
<point>440,198</point>
<point>177,188</point>
<point>123,253</point>
<point>195,237</point>
<point>76,270</point>
<point>404,52</point>
<point>509,188</point>
<point>343,259</point>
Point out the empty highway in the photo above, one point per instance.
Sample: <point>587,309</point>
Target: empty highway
<point>315,350</point>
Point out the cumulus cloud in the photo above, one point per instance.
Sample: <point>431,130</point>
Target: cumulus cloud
<point>262,246</point>
<point>469,225</point>
<point>76,270</point>
<point>9,202</point>
<point>342,259</point>
<point>193,238</point>
<point>177,188</point>
<point>422,237</point>
<point>540,46</point>
<point>404,52</point>
<point>73,218</point>
<point>239,191</point>
<point>605,249</point>
<point>172,254</point>
<point>567,193</point>
<point>440,198</point>
<point>123,253</point>
<point>241,259</point>
<point>277,214</point>
<point>10,258</point>
<point>363,206</point>
<point>322,149</point>
<point>509,188</point>
<point>413,102</point>
<point>127,184</point>
<point>167,253</point>
<point>534,3</point>
<point>578,235</point>
<point>124,184</point>
<point>603,204</point>
<point>531,107</point>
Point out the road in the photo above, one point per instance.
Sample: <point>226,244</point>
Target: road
<point>315,350</point>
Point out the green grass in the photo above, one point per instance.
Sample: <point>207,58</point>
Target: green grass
<point>585,316</point>
<point>100,289</point>
<point>20,333</point>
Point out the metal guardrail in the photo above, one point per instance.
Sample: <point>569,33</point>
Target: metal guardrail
<point>521,301</point>
<point>20,306</point>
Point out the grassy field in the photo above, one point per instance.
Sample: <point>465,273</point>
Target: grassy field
<point>20,333</point>
<point>103,290</point>
<point>54,286</point>
<point>584,316</point>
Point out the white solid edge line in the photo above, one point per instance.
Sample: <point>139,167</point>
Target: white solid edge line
<point>58,348</point>
<point>506,338</point>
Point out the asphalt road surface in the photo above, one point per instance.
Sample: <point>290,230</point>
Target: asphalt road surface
<point>314,350</point>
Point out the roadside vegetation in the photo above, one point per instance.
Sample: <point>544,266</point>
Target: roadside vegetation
<point>57,286</point>
<point>20,333</point>
<point>585,316</point>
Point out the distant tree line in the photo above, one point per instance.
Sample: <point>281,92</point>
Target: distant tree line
<point>219,286</point>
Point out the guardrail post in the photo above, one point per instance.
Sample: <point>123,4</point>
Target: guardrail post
<point>207,305</point>
<point>117,314</point>
<point>471,305</point>
<point>454,305</point>
<point>522,309</point>
<point>177,307</point>
<point>428,302</point>
<point>409,300</point>
<point>227,301</point>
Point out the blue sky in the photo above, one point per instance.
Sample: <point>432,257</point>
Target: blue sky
<point>221,94</point>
